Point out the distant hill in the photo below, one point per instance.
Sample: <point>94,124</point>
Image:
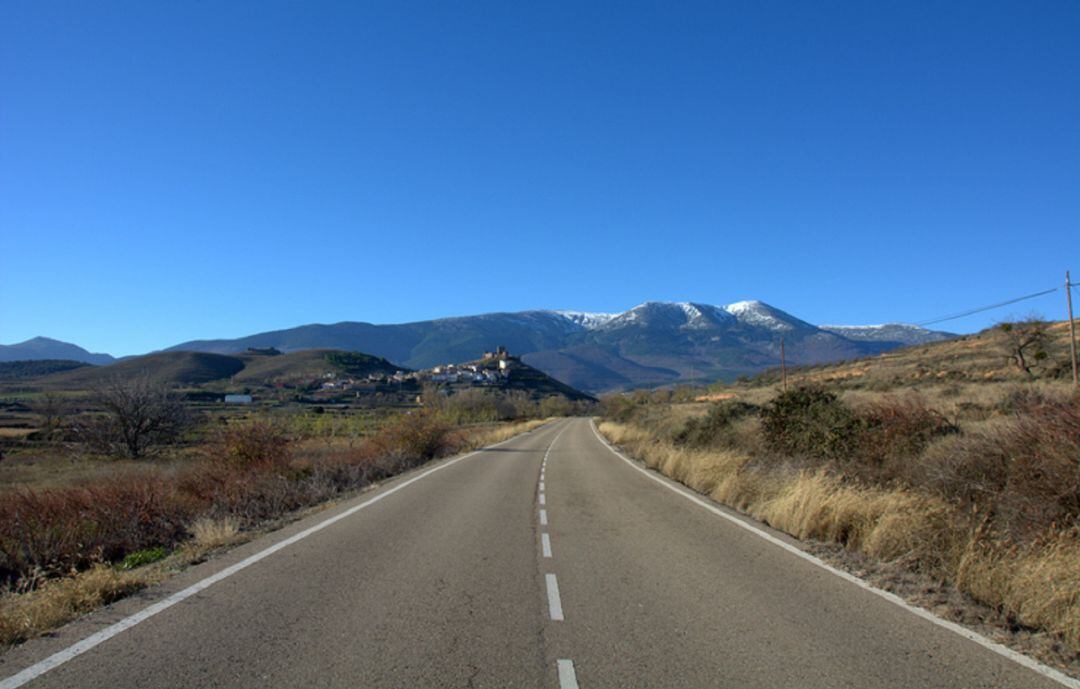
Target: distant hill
<point>202,368</point>
<point>178,368</point>
<point>652,344</point>
<point>44,348</point>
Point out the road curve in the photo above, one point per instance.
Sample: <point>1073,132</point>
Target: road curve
<point>546,561</point>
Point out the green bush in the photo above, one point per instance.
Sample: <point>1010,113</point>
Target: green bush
<point>810,422</point>
<point>143,557</point>
<point>715,428</point>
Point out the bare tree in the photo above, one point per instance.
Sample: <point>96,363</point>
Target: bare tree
<point>1025,341</point>
<point>139,416</point>
<point>51,407</point>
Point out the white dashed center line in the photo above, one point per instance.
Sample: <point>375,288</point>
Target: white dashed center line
<point>543,517</point>
<point>554,602</point>
<point>542,500</point>
<point>567,676</point>
<point>545,543</point>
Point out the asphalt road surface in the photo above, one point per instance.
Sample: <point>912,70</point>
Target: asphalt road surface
<point>546,561</point>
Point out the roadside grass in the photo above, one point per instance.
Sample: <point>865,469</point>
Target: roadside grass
<point>67,550</point>
<point>57,602</point>
<point>977,487</point>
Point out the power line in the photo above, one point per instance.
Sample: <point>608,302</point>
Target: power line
<point>972,312</point>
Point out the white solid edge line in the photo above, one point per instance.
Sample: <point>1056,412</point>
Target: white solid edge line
<point>60,657</point>
<point>567,676</point>
<point>1005,651</point>
<point>545,543</point>
<point>543,517</point>
<point>554,602</point>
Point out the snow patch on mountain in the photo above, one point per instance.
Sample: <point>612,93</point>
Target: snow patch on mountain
<point>888,332</point>
<point>758,314</point>
<point>588,319</point>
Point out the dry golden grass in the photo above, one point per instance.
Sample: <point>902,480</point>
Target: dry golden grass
<point>209,534</point>
<point>715,397</point>
<point>497,434</point>
<point>16,432</point>
<point>26,615</point>
<point>1037,585</point>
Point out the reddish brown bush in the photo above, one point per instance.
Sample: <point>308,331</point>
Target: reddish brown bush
<point>253,444</point>
<point>57,530</point>
<point>1023,472</point>
<point>895,431</point>
<point>1043,485</point>
<point>416,437</point>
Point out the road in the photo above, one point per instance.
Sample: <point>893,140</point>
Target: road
<point>547,561</point>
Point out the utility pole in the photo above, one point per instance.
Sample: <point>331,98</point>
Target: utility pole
<point>1072,327</point>
<point>783,363</point>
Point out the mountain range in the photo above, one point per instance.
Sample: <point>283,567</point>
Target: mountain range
<point>651,344</point>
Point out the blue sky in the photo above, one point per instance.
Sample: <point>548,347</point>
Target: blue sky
<point>179,170</point>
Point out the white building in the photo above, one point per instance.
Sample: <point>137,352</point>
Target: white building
<point>237,399</point>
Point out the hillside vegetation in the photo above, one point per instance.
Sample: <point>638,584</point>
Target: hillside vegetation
<point>959,461</point>
<point>200,368</point>
<point>36,368</point>
<point>178,368</point>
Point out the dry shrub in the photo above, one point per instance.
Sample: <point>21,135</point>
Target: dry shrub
<point>969,468</point>
<point>1043,486</point>
<point>55,531</point>
<point>1023,470</point>
<point>258,443</point>
<point>416,437</point>
<point>895,431</point>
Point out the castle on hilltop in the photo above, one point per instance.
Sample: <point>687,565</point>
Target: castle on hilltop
<point>499,354</point>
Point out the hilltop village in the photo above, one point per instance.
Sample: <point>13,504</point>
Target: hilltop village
<point>492,370</point>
